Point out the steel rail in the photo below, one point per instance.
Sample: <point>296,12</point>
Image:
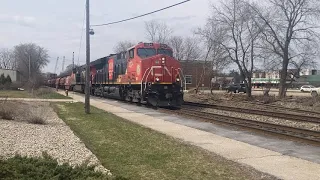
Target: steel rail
<point>281,115</point>
<point>293,132</point>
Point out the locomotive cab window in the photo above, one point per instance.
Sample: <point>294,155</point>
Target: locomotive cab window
<point>167,52</point>
<point>146,52</point>
<point>131,53</point>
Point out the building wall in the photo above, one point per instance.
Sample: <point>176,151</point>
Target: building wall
<point>307,76</point>
<point>14,75</point>
<point>308,72</point>
<point>192,71</point>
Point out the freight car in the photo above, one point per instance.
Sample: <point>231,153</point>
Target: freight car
<point>146,73</point>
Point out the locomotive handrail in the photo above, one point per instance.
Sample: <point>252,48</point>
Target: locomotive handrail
<point>143,78</point>
<point>149,74</point>
<point>150,69</point>
<point>181,77</point>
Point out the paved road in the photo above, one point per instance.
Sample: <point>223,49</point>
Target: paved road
<point>36,100</point>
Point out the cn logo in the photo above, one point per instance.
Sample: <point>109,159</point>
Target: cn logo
<point>130,64</point>
<point>138,69</point>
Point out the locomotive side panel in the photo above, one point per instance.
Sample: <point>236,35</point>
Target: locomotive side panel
<point>111,68</point>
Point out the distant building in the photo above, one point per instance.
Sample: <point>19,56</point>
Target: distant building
<point>14,75</point>
<point>193,70</point>
<point>308,72</point>
<point>305,76</point>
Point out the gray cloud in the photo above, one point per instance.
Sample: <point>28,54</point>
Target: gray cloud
<point>57,25</point>
<point>18,20</point>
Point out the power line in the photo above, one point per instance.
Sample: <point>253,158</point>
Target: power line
<point>116,22</point>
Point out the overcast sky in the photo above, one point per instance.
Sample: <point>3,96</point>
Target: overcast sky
<point>57,24</point>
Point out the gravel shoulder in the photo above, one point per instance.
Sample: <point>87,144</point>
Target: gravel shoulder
<point>19,136</point>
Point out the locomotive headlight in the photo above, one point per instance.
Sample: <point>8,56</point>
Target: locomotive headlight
<point>157,79</point>
<point>163,60</point>
<point>178,79</point>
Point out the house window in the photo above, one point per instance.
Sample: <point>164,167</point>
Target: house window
<point>188,79</point>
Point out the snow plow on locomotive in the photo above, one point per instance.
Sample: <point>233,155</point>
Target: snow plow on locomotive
<point>145,73</point>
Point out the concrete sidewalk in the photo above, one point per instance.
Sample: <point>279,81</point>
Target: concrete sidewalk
<point>36,100</point>
<point>267,161</point>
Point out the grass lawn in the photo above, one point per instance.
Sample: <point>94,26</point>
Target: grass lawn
<point>135,152</point>
<point>44,168</point>
<point>15,94</point>
<point>40,93</point>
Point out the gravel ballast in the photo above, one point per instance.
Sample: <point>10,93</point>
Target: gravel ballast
<point>305,125</point>
<point>20,136</point>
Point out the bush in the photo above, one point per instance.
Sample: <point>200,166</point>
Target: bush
<point>5,82</point>
<point>8,80</point>
<point>36,120</point>
<point>5,114</point>
<point>46,167</point>
<point>2,79</point>
<point>6,111</point>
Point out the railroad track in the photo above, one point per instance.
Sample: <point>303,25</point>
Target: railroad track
<point>297,110</point>
<point>281,115</point>
<point>275,129</point>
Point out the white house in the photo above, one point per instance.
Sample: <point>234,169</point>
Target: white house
<point>14,75</point>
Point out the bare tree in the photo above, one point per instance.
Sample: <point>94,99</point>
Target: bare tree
<point>157,31</point>
<point>192,50</point>
<point>30,59</point>
<point>215,56</point>
<point>212,36</point>
<point>177,44</point>
<point>239,24</point>
<point>185,48</point>
<point>7,60</point>
<point>123,46</point>
<point>306,58</point>
<point>288,22</point>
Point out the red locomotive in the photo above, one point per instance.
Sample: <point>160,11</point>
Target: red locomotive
<point>146,72</point>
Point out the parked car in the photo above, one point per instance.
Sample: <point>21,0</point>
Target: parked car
<point>307,88</point>
<point>236,88</point>
<point>315,92</point>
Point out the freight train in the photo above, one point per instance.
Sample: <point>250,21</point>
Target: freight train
<point>146,73</point>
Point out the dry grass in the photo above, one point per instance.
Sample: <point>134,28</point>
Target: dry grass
<point>41,93</point>
<point>31,112</point>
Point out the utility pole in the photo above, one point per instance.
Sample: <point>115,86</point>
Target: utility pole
<point>72,60</point>
<point>29,68</point>
<point>87,86</point>
<point>55,69</point>
<point>64,58</point>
